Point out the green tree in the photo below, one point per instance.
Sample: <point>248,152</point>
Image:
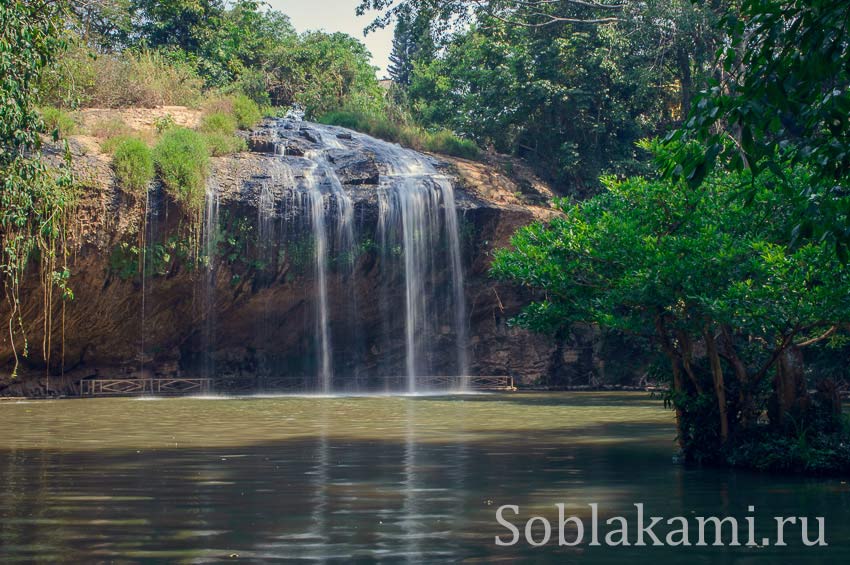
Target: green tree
<point>222,39</point>
<point>187,24</point>
<point>238,46</point>
<point>323,72</point>
<point>412,43</point>
<point>570,86</point>
<point>782,94</point>
<point>106,24</point>
<point>705,278</point>
<point>32,199</point>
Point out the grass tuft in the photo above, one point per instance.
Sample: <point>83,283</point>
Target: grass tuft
<point>133,164</point>
<point>57,122</point>
<point>182,161</point>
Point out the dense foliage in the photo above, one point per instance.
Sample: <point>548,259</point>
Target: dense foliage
<point>782,94</point>
<point>33,200</point>
<point>144,53</point>
<point>710,281</point>
<point>570,86</point>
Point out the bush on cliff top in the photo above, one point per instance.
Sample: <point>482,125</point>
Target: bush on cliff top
<point>219,131</point>
<point>133,78</point>
<point>245,111</point>
<point>133,165</point>
<point>182,162</point>
<point>57,122</point>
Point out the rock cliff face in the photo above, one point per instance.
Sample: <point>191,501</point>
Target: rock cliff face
<point>236,293</point>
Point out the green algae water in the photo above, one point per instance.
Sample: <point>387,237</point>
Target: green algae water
<point>413,479</point>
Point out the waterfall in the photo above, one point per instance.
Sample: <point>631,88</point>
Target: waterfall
<point>316,206</point>
<point>418,257</point>
<point>453,232</point>
<point>210,242</point>
<point>415,194</point>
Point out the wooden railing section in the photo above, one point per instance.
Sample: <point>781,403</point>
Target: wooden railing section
<point>190,386</point>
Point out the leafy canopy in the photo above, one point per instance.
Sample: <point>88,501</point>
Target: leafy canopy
<point>782,95</point>
<point>32,200</point>
<point>646,249</point>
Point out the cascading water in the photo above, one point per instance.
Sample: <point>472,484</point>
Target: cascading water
<point>415,193</point>
<point>453,233</point>
<point>211,220</point>
<point>316,205</point>
<point>304,208</point>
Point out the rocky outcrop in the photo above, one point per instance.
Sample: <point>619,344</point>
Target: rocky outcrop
<point>123,322</point>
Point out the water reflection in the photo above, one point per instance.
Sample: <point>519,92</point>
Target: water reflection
<point>341,479</point>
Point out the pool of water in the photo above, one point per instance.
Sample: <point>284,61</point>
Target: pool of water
<point>363,479</point>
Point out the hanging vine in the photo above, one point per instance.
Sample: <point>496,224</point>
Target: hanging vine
<point>34,199</point>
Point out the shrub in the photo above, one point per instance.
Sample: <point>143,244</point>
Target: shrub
<point>111,144</point>
<point>113,131</point>
<point>164,123</point>
<point>219,122</point>
<point>406,134</point>
<point>73,74</point>
<point>57,122</point>
<point>246,111</point>
<point>133,165</point>
<point>127,79</point>
<point>182,161</point>
<point>220,144</point>
<point>344,119</point>
<point>810,452</point>
<point>218,129</point>
<point>448,143</point>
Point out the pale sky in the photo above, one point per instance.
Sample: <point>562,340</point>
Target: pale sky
<point>338,15</point>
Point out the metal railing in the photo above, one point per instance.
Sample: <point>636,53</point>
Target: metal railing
<point>138,387</point>
<point>184,386</point>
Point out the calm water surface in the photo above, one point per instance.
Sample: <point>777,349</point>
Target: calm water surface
<point>363,479</point>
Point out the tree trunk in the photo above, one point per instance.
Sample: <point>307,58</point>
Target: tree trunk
<point>686,82</point>
<point>687,359</point>
<point>719,385</point>
<point>749,413</point>
<point>661,332</point>
<point>792,395</point>
<point>677,386</point>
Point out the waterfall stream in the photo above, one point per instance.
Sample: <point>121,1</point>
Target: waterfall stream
<point>304,207</point>
<point>316,204</point>
<point>410,214</point>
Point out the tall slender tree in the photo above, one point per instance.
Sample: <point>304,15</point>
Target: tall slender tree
<point>412,42</point>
